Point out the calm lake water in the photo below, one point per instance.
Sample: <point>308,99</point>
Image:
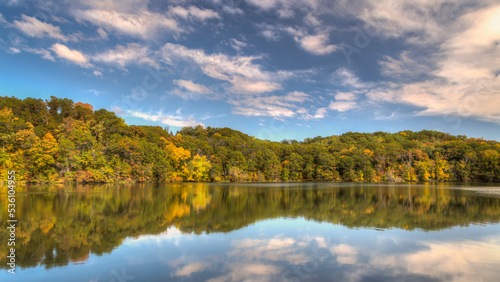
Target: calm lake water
<point>255,232</point>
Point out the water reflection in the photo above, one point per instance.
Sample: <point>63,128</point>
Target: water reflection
<point>323,253</point>
<point>238,232</point>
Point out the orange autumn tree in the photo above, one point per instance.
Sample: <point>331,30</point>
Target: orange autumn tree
<point>84,105</point>
<point>83,111</point>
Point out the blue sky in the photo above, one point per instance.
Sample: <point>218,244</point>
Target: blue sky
<point>274,69</point>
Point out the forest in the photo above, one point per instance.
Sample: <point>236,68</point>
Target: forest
<point>60,141</point>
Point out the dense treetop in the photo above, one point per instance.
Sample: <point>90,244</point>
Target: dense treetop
<point>58,140</point>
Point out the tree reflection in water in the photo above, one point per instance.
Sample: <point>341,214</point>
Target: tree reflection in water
<point>59,225</point>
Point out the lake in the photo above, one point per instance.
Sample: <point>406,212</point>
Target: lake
<point>255,232</point>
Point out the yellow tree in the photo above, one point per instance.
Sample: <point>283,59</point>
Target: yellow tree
<point>9,125</point>
<point>23,146</point>
<point>490,165</point>
<point>424,169</point>
<point>441,168</point>
<point>197,169</point>
<point>43,157</point>
<point>178,157</point>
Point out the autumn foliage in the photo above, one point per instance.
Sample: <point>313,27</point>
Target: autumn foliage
<point>57,140</point>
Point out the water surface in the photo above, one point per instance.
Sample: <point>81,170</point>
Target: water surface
<point>255,232</point>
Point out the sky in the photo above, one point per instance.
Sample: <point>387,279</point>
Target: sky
<point>274,69</point>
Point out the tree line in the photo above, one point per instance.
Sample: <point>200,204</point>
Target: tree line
<point>58,140</point>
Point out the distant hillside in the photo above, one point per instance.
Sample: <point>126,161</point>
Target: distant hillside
<point>58,140</point>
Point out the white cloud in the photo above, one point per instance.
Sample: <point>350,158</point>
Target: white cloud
<point>345,254</point>
<point>460,78</point>
<point>346,78</point>
<point>102,33</point>
<point>472,53</point>
<point>264,4</point>
<point>451,261</point>
<point>316,44</point>
<point>273,106</point>
<point>189,269</point>
<point>270,32</point>
<point>73,56</point>
<point>35,28</point>
<point>405,67</point>
<point>342,106</point>
<point>345,96</point>
<point>344,249</point>
<point>233,10</point>
<point>58,19</point>
<point>285,5</point>
<point>13,50</point>
<point>218,66</point>
<point>237,45</point>
<point>241,85</point>
<point>172,120</point>
<point>134,18</point>
<point>273,249</point>
<point>241,71</point>
<point>320,113</point>
<point>422,20</point>
<point>143,24</point>
<point>438,97</point>
<point>192,87</point>
<point>286,13</point>
<point>311,20</point>
<point>94,92</point>
<point>380,116</point>
<point>14,2</point>
<point>193,12</point>
<point>44,53</point>
<point>481,34</point>
<point>382,94</point>
<point>261,259</point>
<point>2,19</point>
<point>171,234</point>
<point>297,97</point>
<point>117,5</point>
<point>121,56</point>
<point>248,271</point>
